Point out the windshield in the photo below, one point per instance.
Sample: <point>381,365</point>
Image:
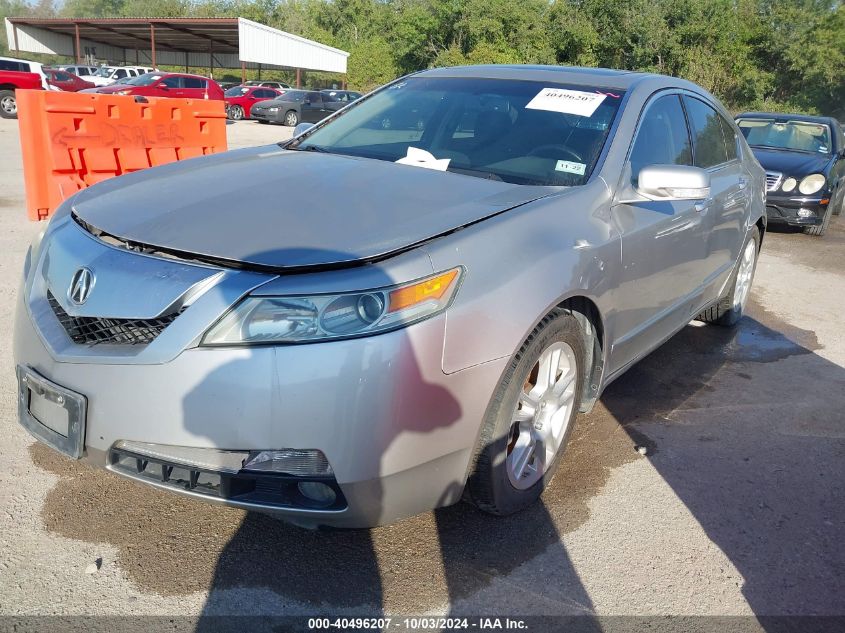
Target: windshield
<point>236,91</point>
<point>142,80</point>
<point>293,95</point>
<point>524,132</point>
<point>104,71</point>
<point>802,136</point>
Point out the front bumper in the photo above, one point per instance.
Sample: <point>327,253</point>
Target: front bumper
<point>266,115</point>
<point>397,431</point>
<point>785,209</point>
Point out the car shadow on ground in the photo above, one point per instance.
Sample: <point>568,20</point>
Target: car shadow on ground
<point>754,451</point>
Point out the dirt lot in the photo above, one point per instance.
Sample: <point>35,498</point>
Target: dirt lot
<point>737,508</point>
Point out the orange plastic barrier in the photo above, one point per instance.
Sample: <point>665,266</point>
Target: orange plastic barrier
<point>72,140</point>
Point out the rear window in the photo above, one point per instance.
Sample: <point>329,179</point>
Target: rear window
<point>8,64</point>
<point>194,82</point>
<point>707,137</point>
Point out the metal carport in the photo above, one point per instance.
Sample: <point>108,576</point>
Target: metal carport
<point>189,42</point>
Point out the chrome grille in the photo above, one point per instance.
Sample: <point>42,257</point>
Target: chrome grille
<point>97,331</point>
<point>773,180</point>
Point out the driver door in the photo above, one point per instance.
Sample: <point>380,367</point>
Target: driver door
<point>663,242</point>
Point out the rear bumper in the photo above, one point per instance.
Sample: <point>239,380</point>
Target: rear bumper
<point>807,211</point>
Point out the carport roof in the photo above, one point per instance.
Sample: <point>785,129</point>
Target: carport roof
<point>177,34</point>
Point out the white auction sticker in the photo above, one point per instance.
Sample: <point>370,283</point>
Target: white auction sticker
<point>566,101</point>
<point>570,167</point>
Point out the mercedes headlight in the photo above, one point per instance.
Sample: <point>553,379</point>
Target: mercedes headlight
<point>297,319</point>
<point>789,185</point>
<point>811,184</point>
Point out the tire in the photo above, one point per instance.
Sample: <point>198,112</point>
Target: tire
<point>236,113</point>
<point>730,308</point>
<point>820,229</point>
<point>8,104</point>
<point>837,210</point>
<point>493,484</point>
<point>291,118</point>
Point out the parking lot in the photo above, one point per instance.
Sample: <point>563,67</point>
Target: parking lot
<point>736,507</point>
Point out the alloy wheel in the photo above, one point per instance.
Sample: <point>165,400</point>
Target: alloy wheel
<point>237,113</point>
<point>291,119</point>
<point>744,274</point>
<point>9,105</point>
<point>542,415</point>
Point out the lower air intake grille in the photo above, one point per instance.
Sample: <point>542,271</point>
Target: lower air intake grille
<point>96,331</point>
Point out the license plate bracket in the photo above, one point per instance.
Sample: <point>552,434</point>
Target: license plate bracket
<point>63,412</point>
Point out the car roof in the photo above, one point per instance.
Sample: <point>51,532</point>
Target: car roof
<point>598,77</point>
<point>785,116</point>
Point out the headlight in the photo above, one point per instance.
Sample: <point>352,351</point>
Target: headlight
<point>789,184</point>
<point>124,92</point>
<point>277,320</point>
<point>273,109</point>
<point>811,184</point>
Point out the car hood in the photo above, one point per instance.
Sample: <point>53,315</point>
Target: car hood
<point>795,164</point>
<point>272,103</point>
<point>114,87</point>
<point>274,208</point>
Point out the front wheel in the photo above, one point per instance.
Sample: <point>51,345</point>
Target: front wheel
<point>821,229</point>
<point>730,308</point>
<point>236,112</point>
<point>8,104</point>
<point>291,118</point>
<point>530,418</point>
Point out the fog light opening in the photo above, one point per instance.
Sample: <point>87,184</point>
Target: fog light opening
<point>318,493</point>
<point>805,213</point>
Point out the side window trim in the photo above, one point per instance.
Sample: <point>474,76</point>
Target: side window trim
<point>692,95</point>
<point>652,99</point>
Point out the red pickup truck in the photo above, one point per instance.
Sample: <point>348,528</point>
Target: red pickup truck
<point>11,80</point>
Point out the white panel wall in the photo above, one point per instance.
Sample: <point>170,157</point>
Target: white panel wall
<point>35,40</point>
<point>259,44</point>
<point>265,45</point>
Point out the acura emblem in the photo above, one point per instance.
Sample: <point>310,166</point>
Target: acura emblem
<point>80,286</point>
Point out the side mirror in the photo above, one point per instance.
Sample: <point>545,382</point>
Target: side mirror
<point>302,128</point>
<point>163,87</point>
<point>673,182</point>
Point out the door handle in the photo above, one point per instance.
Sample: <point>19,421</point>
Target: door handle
<point>702,207</point>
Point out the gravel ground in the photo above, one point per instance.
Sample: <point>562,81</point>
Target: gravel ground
<point>735,509</point>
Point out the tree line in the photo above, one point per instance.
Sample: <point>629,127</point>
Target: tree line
<point>760,54</point>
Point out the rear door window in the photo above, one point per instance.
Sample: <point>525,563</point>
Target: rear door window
<point>663,137</point>
<point>194,82</point>
<point>708,138</point>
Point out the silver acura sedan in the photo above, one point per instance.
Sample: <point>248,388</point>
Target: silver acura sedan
<point>420,319</point>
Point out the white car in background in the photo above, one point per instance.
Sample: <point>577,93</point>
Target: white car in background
<point>78,70</point>
<point>26,66</point>
<point>107,75</point>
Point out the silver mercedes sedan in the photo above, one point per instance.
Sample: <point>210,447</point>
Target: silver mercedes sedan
<point>418,321</point>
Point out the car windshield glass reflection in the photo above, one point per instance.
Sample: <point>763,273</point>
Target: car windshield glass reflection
<point>802,136</point>
<point>237,91</point>
<point>524,132</point>
<point>142,80</point>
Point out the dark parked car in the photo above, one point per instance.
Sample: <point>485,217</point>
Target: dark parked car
<point>67,81</point>
<point>341,96</point>
<point>166,85</point>
<point>293,107</point>
<point>804,159</point>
